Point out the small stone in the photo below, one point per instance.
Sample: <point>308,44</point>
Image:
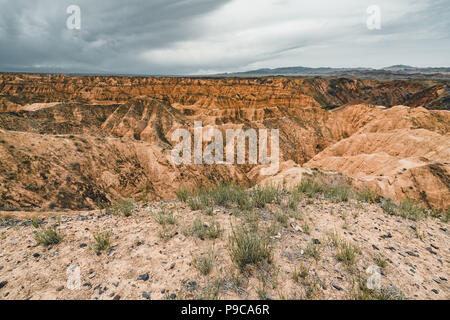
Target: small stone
<point>143,277</point>
<point>387,236</point>
<point>92,275</point>
<point>172,266</point>
<point>430,250</point>
<point>375,247</point>
<point>435,291</point>
<point>146,295</point>
<point>116,283</point>
<point>3,284</point>
<point>173,296</point>
<point>443,278</point>
<point>116,297</point>
<point>36,255</point>
<point>412,254</point>
<point>60,289</point>
<point>336,287</point>
<point>83,245</point>
<point>316,241</point>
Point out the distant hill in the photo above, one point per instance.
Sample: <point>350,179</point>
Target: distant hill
<point>392,72</point>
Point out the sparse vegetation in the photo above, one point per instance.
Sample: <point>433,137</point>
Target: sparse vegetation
<point>183,194</point>
<point>367,195</point>
<point>164,217</point>
<point>203,230</point>
<point>249,247</point>
<point>313,250</point>
<point>122,207</point>
<point>380,261</point>
<point>48,236</point>
<point>204,262</point>
<point>362,292</point>
<point>264,195</point>
<point>36,222</point>
<point>346,253</point>
<point>102,241</point>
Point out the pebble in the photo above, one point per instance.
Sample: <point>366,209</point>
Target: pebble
<point>92,275</point>
<point>413,254</point>
<point>143,277</point>
<point>36,255</point>
<point>3,284</point>
<point>116,283</point>
<point>336,287</point>
<point>116,297</point>
<point>146,295</point>
<point>83,245</point>
<point>435,291</point>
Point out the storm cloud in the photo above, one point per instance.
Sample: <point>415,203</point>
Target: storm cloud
<point>209,36</point>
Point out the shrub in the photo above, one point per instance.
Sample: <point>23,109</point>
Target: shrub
<point>248,247</point>
<point>48,236</point>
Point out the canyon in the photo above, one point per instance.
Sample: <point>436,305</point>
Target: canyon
<point>80,142</point>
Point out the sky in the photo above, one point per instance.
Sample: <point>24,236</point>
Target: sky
<point>193,37</point>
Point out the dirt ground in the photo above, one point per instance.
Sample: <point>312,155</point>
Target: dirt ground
<point>149,261</point>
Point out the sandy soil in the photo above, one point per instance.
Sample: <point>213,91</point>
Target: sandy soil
<point>417,255</point>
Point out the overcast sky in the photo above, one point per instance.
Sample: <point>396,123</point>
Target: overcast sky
<point>211,36</point>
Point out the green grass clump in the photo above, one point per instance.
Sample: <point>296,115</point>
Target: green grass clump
<point>264,195</point>
<point>210,230</point>
<point>411,210</point>
<point>408,209</point>
<point>249,247</point>
<point>48,236</point>
<point>164,217</point>
<point>183,194</point>
<point>367,195</point>
<point>204,263</point>
<point>310,187</point>
<point>313,250</point>
<point>346,253</point>
<point>362,292</point>
<point>123,207</point>
<point>102,241</point>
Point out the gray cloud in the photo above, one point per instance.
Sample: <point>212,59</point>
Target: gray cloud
<point>201,36</point>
